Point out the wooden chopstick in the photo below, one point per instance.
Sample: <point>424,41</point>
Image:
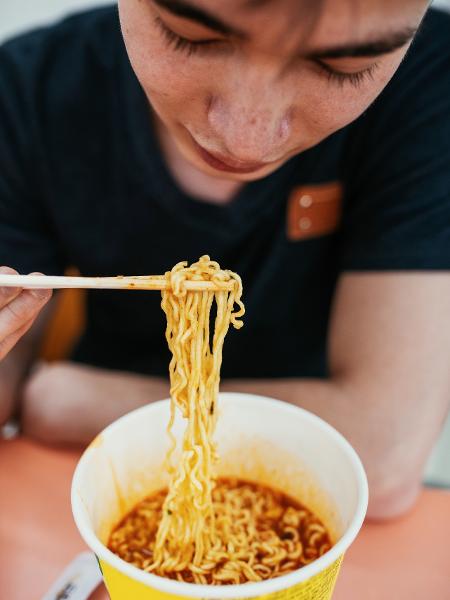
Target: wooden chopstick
<point>141,282</point>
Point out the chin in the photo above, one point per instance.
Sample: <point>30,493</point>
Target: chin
<point>206,169</point>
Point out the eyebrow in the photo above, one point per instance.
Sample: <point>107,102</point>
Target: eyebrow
<point>183,9</point>
<point>377,47</point>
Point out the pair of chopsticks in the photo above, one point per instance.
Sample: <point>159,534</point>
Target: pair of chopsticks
<point>142,282</point>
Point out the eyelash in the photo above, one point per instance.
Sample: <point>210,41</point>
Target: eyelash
<point>355,79</point>
<point>190,48</point>
<point>179,43</point>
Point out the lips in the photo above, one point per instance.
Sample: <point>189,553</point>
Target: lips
<point>225,163</point>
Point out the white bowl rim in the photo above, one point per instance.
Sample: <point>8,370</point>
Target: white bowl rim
<point>246,590</point>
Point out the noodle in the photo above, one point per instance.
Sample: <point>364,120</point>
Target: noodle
<point>202,530</point>
<point>186,533</point>
<point>261,533</point>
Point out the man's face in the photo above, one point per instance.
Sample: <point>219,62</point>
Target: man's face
<point>243,85</point>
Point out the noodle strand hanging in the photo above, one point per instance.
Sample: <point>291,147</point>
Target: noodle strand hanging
<point>186,534</point>
<point>204,530</point>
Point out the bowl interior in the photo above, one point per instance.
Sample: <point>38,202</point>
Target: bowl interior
<point>259,439</point>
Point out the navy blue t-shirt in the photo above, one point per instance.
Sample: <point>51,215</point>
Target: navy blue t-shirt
<point>83,183</point>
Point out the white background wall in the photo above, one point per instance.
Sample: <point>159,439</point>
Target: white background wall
<point>19,15</point>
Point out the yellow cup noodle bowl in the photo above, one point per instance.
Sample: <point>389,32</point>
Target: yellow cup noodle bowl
<point>259,439</point>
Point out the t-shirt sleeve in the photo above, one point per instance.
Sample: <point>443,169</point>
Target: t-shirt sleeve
<point>397,209</point>
<point>27,242</point>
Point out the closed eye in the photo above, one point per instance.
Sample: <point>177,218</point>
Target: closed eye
<point>341,77</point>
<point>182,44</point>
<point>191,47</point>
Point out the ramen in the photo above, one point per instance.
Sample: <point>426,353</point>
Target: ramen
<point>204,530</point>
<point>261,533</point>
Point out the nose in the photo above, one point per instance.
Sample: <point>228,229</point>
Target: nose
<point>251,119</point>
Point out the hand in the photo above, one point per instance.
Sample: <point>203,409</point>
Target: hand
<point>18,311</point>
<point>71,403</point>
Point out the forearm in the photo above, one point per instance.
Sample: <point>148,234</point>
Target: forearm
<point>394,472</point>
<point>15,367</point>
<point>66,403</point>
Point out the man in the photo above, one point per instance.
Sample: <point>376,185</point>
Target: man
<point>303,145</point>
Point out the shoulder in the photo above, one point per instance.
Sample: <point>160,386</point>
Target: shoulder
<point>64,56</point>
<point>93,30</point>
<point>396,167</point>
<point>433,36</point>
<point>423,78</point>
<point>411,118</point>
<point>426,67</point>
<point>55,82</point>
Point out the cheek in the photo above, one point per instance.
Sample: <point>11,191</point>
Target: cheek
<point>326,106</point>
<point>167,76</point>
<point>331,107</point>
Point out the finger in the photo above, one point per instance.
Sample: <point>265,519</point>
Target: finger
<point>8,293</point>
<point>21,310</point>
<point>11,340</point>
<point>42,294</point>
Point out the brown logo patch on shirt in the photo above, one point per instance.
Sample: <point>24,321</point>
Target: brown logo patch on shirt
<point>314,210</point>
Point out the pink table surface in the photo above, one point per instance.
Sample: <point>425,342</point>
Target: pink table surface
<point>406,559</point>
